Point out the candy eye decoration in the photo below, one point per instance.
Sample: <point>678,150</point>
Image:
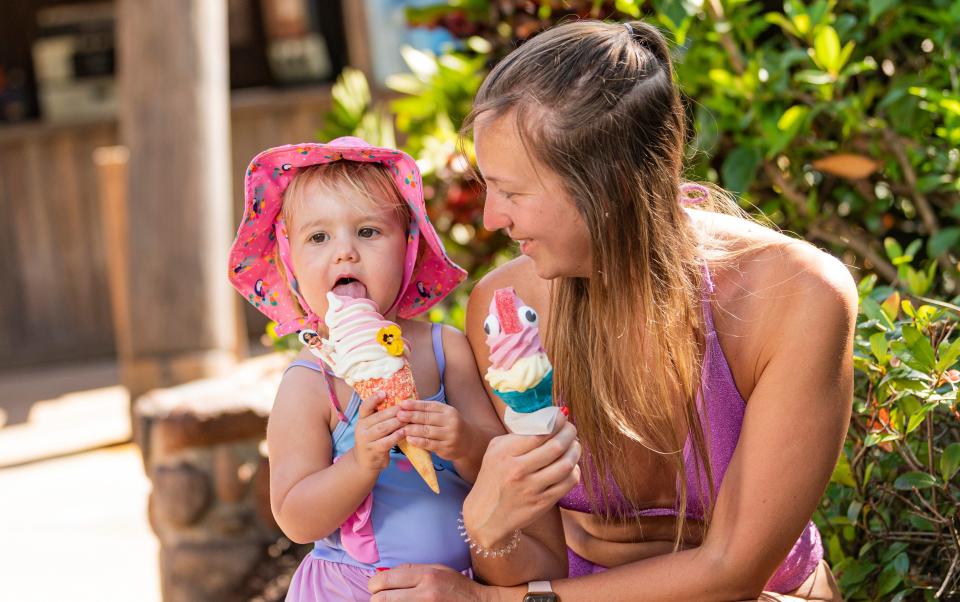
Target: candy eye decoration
<point>527,316</point>
<point>491,326</point>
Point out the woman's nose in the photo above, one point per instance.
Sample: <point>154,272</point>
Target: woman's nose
<point>493,217</point>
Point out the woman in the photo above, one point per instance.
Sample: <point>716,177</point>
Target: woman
<point>705,360</point>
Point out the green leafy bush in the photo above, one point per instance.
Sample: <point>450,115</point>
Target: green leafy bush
<point>890,515</point>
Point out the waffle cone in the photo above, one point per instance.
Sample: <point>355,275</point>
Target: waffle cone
<point>398,387</point>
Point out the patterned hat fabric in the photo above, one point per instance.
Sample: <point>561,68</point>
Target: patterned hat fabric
<point>429,274</point>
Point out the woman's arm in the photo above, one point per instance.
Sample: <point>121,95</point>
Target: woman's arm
<point>542,548</point>
<point>311,497</point>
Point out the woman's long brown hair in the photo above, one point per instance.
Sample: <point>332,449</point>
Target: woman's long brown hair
<point>596,103</point>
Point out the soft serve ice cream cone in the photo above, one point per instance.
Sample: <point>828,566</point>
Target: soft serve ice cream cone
<point>366,351</point>
<point>520,372</point>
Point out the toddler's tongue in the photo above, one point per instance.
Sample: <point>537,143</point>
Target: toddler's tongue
<point>355,290</point>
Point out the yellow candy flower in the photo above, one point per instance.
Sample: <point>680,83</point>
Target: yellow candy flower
<point>390,338</point>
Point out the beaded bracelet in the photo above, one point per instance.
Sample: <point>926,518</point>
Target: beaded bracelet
<point>506,550</point>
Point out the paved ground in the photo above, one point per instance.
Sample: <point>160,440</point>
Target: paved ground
<point>76,528</point>
<point>52,411</point>
<point>73,523</point>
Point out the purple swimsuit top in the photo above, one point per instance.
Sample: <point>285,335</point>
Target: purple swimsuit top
<point>721,410</point>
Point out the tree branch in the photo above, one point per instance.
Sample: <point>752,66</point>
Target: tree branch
<point>722,27</point>
<point>834,231</point>
<point>927,215</point>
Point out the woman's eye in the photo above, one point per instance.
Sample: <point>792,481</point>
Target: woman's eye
<point>491,326</point>
<point>319,237</point>
<point>367,232</point>
<point>527,316</point>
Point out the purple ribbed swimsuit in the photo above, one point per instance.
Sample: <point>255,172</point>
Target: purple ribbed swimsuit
<point>724,408</point>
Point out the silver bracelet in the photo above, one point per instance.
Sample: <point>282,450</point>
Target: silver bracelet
<point>500,552</point>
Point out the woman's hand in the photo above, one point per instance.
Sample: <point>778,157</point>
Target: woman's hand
<point>376,433</point>
<point>438,427</point>
<point>522,477</point>
<point>426,582</point>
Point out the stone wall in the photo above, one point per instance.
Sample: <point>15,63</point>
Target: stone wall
<point>204,451</point>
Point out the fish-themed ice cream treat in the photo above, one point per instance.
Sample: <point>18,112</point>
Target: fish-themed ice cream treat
<point>366,351</point>
<point>520,372</point>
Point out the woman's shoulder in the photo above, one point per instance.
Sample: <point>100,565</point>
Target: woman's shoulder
<point>767,267</point>
<point>518,273</point>
<point>770,287</point>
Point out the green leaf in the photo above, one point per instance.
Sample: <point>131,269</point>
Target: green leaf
<point>866,284</point>
<point>855,572</point>
<point>912,248</point>
<point>920,348</point>
<point>901,563</point>
<point>879,346</point>
<point>835,550</point>
<point>740,168</point>
<point>842,473</point>
<point>872,310</point>
<point>675,12</point>
<point>909,405</point>
<point>950,461</point>
<point>888,581</point>
<point>914,479</point>
<point>422,64</point>
<point>826,49</point>
<point>878,7</point>
<point>783,22</point>
<point>853,511</point>
<point>893,248</point>
<point>949,354</point>
<point>628,7</point>
<point>945,240</point>
<point>915,421</point>
<point>792,118</point>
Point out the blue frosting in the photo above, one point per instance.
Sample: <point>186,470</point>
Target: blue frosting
<point>530,400</point>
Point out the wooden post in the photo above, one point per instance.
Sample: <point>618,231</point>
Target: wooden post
<point>174,119</point>
<point>111,163</point>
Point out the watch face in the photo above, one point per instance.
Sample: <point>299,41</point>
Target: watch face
<point>545,597</point>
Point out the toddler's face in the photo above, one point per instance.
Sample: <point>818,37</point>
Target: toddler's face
<point>350,246</point>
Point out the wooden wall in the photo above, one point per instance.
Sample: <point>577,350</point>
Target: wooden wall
<point>54,304</point>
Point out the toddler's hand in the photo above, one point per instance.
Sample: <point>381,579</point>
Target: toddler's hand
<point>376,433</point>
<point>437,427</point>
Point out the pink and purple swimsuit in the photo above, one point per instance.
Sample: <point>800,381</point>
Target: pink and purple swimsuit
<point>724,408</point>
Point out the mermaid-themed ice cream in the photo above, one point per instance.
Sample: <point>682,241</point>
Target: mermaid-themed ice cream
<point>520,372</point>
<point>366,351</point>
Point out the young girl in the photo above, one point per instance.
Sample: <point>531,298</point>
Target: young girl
<point>349,218</point>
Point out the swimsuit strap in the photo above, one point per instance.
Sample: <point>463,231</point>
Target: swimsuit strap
<point>328,378</point>
<point>437,334</point>
<point>709,289</point>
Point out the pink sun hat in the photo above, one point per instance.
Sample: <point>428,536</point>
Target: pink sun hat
<point>429,274</point>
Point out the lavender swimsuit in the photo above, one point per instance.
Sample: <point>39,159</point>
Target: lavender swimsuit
<point>723,407</point>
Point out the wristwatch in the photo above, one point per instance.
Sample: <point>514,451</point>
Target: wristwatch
<point>540,591</point>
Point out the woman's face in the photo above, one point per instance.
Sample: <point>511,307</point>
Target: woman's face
<point>527,201</point>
